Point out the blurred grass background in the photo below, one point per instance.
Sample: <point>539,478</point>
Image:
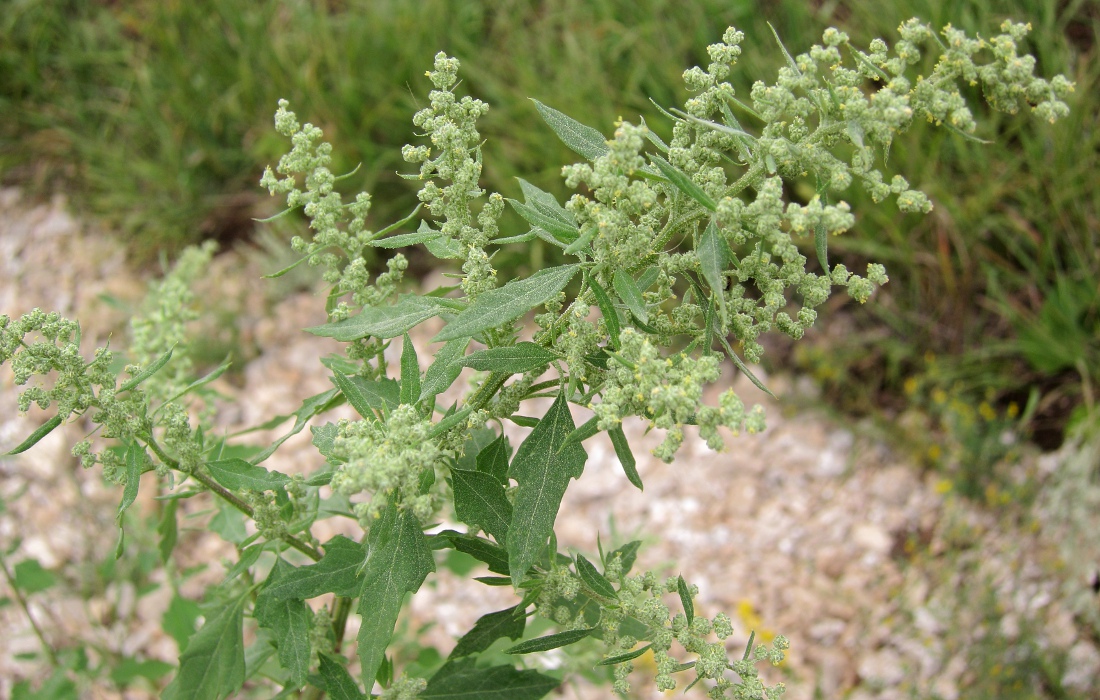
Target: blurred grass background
<point>155,116</point>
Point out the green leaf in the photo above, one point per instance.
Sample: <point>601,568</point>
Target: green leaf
<point>628,291</point>
<point>790,61</point>
<point>550,641</point>
<point>493,555</point>
<point>128,670</point>
<point>237,474</point>
<point>543,473</point>
<point>628,553</point>
<point>445,368</point>
<point>685,599</point>
<point>594,579</point>
<point>627,656</point>
<point>135,455</point>
<point>148,371</point>
<point>582,140</point>
<point>324,439</point>
<point>524,421</point>
<point>32,439</point>
<point>610,314</point>
<point>410,373</point>
<point>248,556</point>
<point>741,366</point>
<point>167,531</point>
<point>515,359</point>
<point>493,459</point>
<point>545,202</point>
<point>509,623</point>
<point>451,421</point>
<point>398,561</point>
<point>504,304</point>
<point>30,577</point>
<point>444,248</point>
<point>203,381</point>
<point>424,234</point>
<point>338,682</point>
<point>290,620</point>
<point>626,457</point>
<point>286,269</point>
<point>582,242</point>
<point>311,407</point>
<point>479,500</point>
<point>382,321</point>
<point>588,429</point>
<point>365,394</point>
<point>179,620</point>
<point>565,231</point>
<point>714,257</point>
<point>682,182</point>
<point>462,679</point>
<point>337,572</point>
<point>213,664</point>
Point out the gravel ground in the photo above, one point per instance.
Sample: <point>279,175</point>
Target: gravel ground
<point>881,581</point>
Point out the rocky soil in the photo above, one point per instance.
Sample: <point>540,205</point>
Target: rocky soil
<point>886,585</point>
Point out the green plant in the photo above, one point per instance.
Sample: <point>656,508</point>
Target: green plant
<point>715,191</point>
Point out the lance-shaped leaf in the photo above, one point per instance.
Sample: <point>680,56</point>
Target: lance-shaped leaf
<point>514,359</point>
<point>714,257</point>
<point>365,394</point>
<point>398,561</point>
<point>382,321</point>
<point>631,294</point>
<point>445,368</point>
<point>462,679</point>
<point>493,459</point>
<point>587,429</point>
<point>499,306</point>
<point>236,474</point>
<point>337,572</point>
<point>543,471</point>
<point>741,366</point>
<point>289,619</point>
<point>422,235</point>
<point>312,406</point>
<point>479,500</point>
<point>627,554</point>
<point>508,623</point>
<point>550,641</point>
<point>135,460</point>
<point>582,140</point>
<point>594,579</point>
<point>626,457</point>
<point>610,313</point>
<point>545,202</point>
<point>682,182</point>
<point>685,598</point>
<point>493,555</point>
<point>338,682</point>
<point>625,656</point>
<point>410,373</point>
<point>213,664</point>
<point>565,231</point>
<point>39,433</point>
<point>148,371</point>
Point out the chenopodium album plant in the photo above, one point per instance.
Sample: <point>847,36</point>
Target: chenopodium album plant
<point>675,248</point>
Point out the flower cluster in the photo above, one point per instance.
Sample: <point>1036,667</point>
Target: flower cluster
<point>387,460</point>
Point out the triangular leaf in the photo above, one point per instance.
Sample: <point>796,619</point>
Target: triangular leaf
<point>543,472</point>
<point>289,619</point>
<point>365,394</point>
<point>493,459</point>
<point>382,321</point>
<point>213,664</point>
<point>236,474</point>
<point>445,368</point>
<point>462,679</point>
<point>508,623</point>
<point>479,500</point>
<point>337,572</point>
<point>582,140</point>
<point>514,359</point>
<point>504,304</point>
<point>398,561</point>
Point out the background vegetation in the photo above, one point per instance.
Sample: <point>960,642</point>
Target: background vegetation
<point>155,117</point>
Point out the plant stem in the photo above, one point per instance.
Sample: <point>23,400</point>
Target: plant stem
<point>27,611</point>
